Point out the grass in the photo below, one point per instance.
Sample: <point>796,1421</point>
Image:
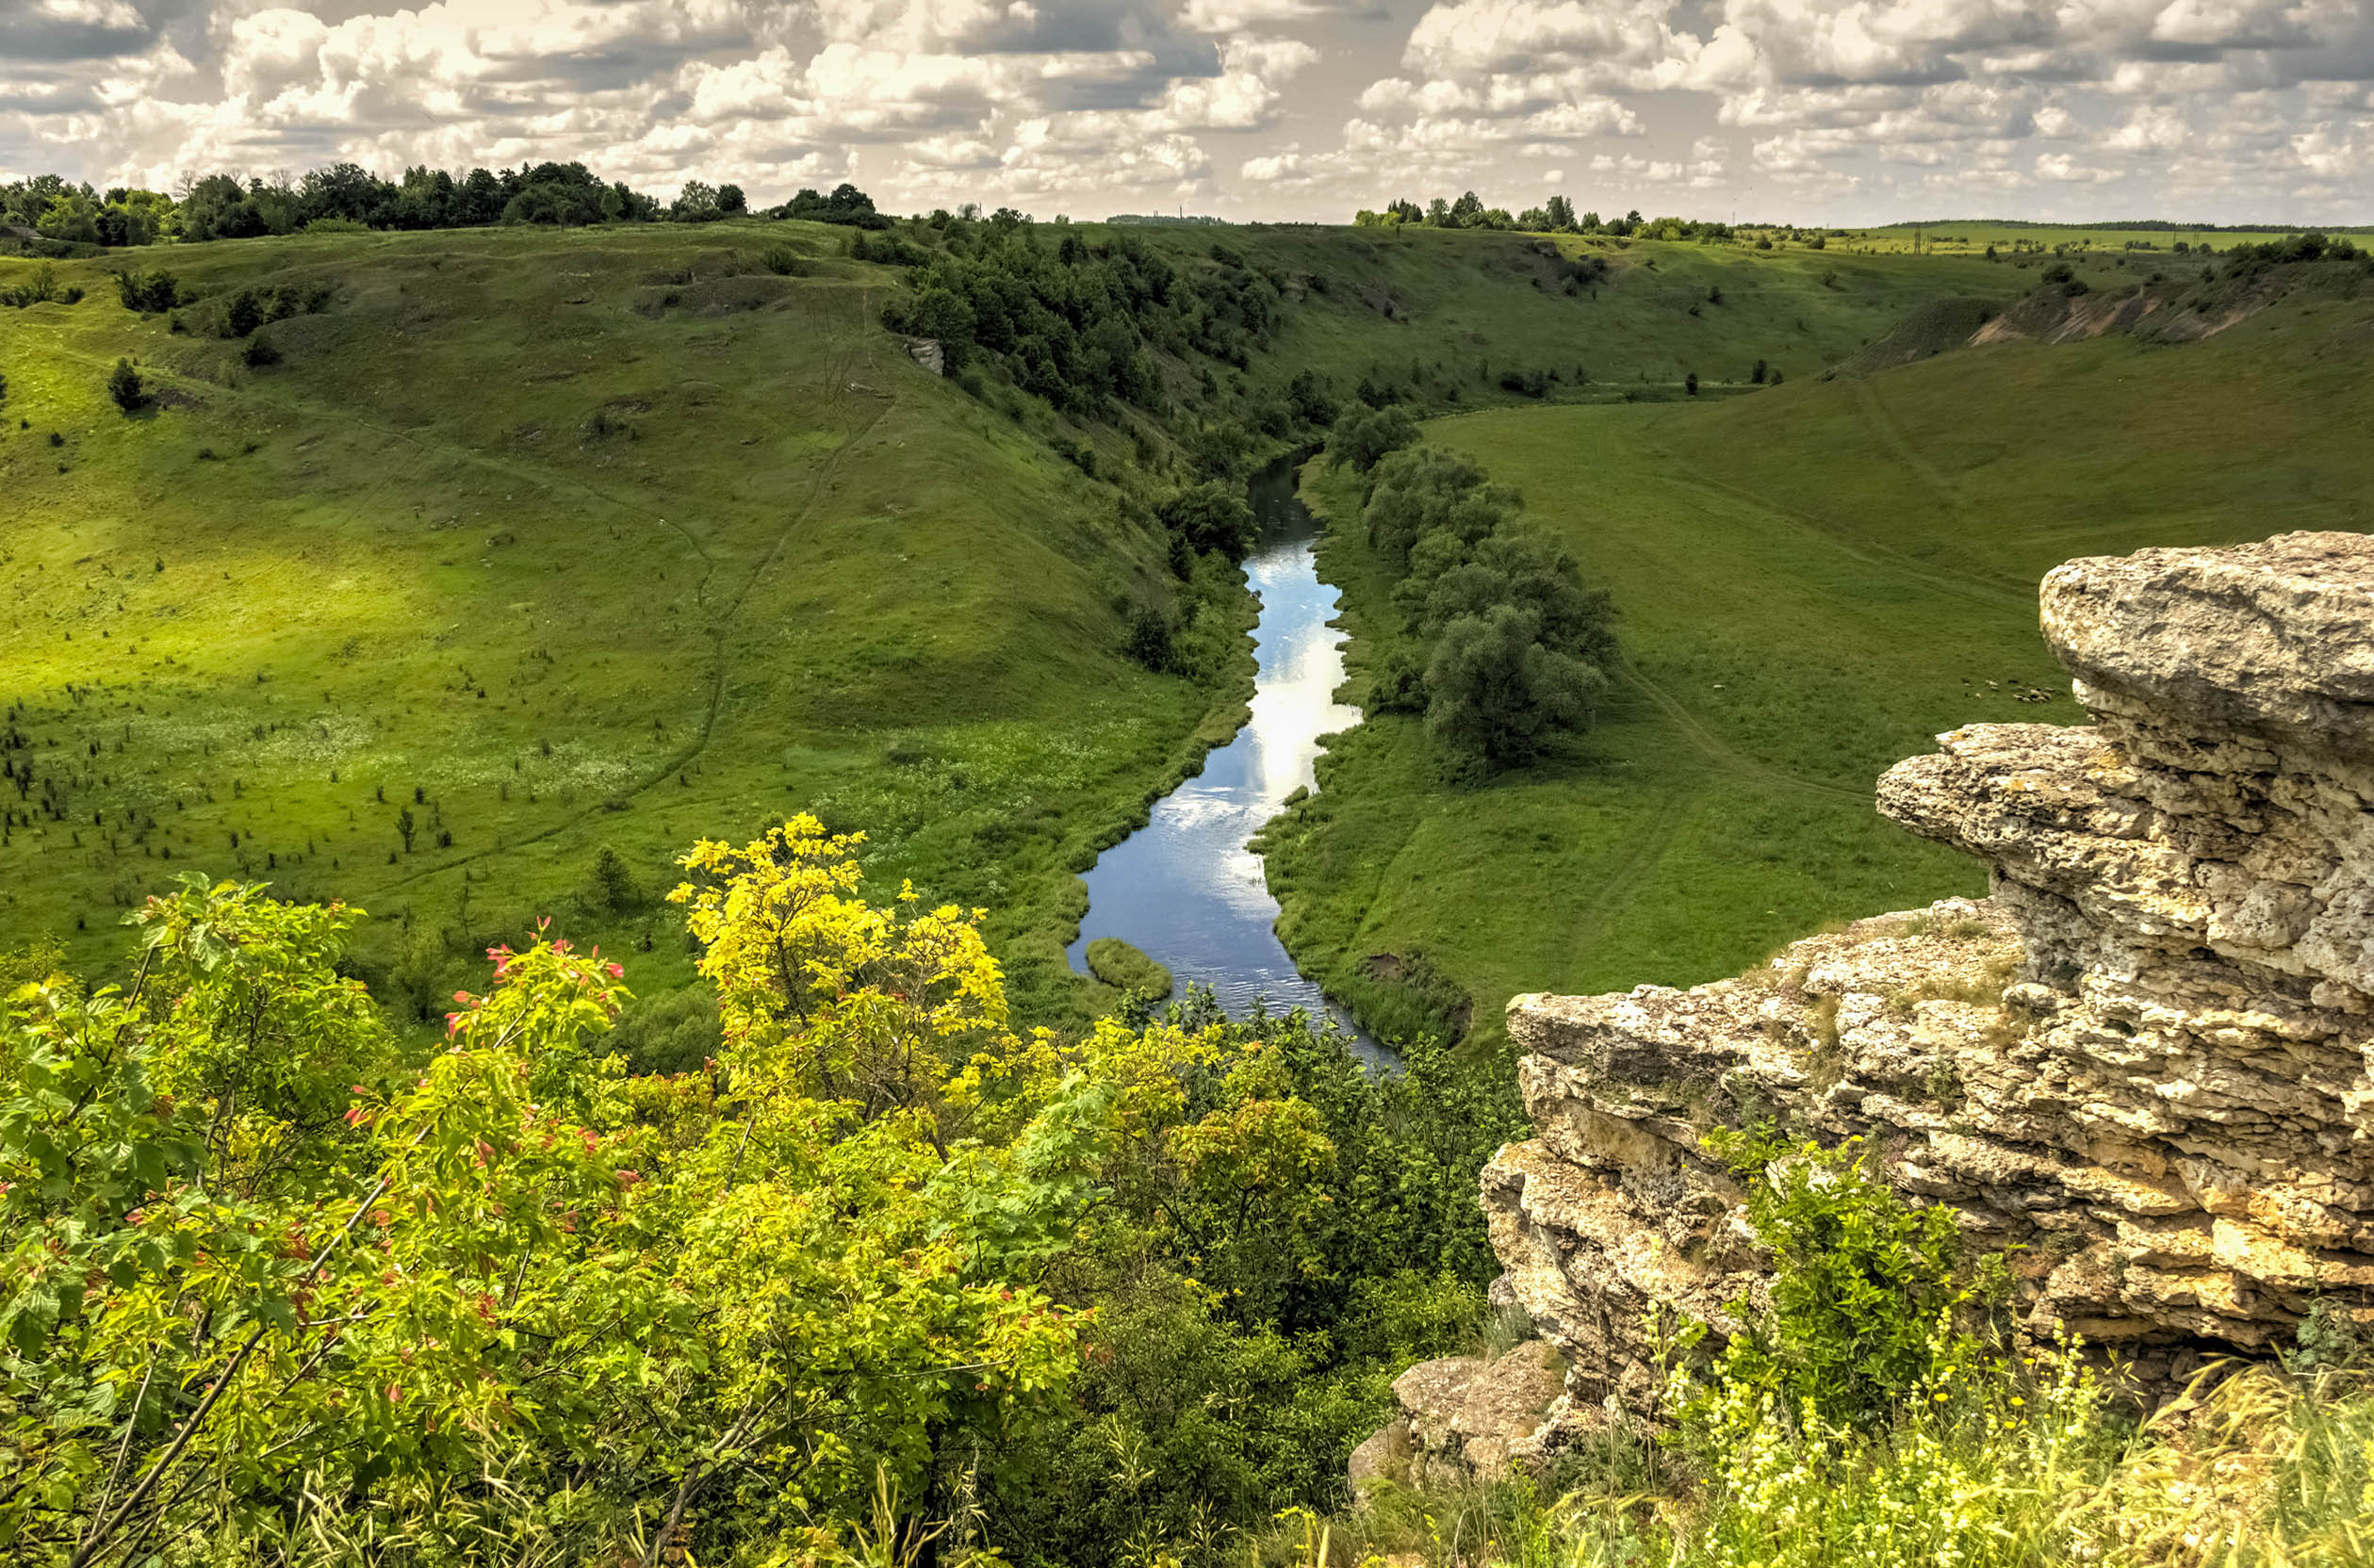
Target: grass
<point>566,541</point>
<point>1461,308</point>
<point>556,541</point>
<point>2262,1470</point>
<point>1812,582</point>
<point>1125,969</point>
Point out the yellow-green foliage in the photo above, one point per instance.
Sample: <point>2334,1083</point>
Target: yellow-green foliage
<point>2255,1469</point>
<point>274,1278</point>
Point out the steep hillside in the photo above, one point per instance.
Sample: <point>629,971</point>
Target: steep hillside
<point>1444,314</point>
<point>1811,581</point>
<point>550,541</point>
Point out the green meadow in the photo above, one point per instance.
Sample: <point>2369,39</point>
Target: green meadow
<point>536,555</point>
<point>546,542</point>
<point>564,548</point>
<point>1810,583</point>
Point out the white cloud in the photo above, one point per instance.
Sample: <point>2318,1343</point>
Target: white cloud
<point>1284,108</point>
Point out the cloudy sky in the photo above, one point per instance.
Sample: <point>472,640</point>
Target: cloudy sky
<point>1811,110</point>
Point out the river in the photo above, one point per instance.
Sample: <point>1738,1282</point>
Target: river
<point>1184,889</point>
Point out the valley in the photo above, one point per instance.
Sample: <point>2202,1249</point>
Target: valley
<point>1810,584</point>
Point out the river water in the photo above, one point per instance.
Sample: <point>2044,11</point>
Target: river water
<point>1184,889</point>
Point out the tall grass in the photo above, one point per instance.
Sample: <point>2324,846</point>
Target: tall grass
<point>2006,1467</point>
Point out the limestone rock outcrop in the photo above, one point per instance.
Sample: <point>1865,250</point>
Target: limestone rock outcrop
<point>2142,1061</point>
<point>1483,1416</point>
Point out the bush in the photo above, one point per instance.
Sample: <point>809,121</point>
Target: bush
<point>610,885</point>
<point>1861,1283</point>
<point>41,288</point>
<point>1148,641</point>
<point>148,292</point>
<point>258,354</point>
<point>124,385</point>
<point>674,1032</point>
<point>783,262</point>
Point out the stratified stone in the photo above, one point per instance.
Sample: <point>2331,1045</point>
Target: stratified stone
<point>2141,1063</point>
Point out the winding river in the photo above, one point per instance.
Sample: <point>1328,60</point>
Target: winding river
<point>1184,889</point>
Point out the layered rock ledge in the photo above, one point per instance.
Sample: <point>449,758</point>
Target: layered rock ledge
<point>2142,1061</point>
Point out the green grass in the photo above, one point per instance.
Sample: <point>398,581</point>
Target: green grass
<point>1464,307</point>
<point>1812,582</point>
<point>1125,969</point>
<point>618,538</point>
<point>583,553</point>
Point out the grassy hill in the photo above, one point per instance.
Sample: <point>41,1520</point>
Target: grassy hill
<point>556,541</point>
<point>566,542</point>
<point>1444,314</point>
<point>1811,582</point>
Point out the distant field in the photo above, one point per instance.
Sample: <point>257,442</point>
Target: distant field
<point>1966,238</point>
<point>1811,583</point>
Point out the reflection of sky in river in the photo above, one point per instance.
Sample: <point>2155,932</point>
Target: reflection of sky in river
<point>1184,887</point>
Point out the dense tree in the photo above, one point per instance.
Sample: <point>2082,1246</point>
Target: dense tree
<point>1367,435</point>
<point>1429,490</point>
<point>1209,517</point>
<point>1495,692</point>
<point>1518,644</point>
<point>1081,323</point>
<point>1515,566</point>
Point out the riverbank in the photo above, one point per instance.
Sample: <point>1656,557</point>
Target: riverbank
<point>1809,583</point>
<point>1186,890</point>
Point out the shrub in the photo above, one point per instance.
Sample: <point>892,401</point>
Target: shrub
<point>609,886</point>
<point>1148,641</point>
<point>1861,1284</point>
<point>148,292</point>
<point>41,288</point>
<point>674,1032</point>
<point>124,385</point>
<point>782,261</point>
<point>259,353</point>
<point>243,315</point>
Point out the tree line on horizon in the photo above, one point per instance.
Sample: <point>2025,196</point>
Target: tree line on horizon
<point>346,195</point>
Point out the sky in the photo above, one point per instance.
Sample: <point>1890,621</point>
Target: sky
<point>1808,111</point>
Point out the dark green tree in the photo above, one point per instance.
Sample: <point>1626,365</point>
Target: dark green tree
<point>1495,694</point>
<point>1367,436</point>
<point>1209,517</point>
<point>124,385</point>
